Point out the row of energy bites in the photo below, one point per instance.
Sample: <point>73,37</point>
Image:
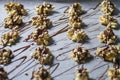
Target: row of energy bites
<point>75,33</point>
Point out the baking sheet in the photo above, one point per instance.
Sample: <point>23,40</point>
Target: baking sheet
<point>61,44</point>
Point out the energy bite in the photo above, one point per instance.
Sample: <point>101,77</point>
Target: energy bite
<point>82,74</point>
<point>40,36</point>
<point>41,74</point>
<point>80,54</point>
<point>108,20</point>
<point>75,22</point>
<point>107,36</point>
<point>16,8</point>
<point>107,7</point>
<point>43,55</point>
<point>9,38</point>
<point>44,9</point>
<point>109,53</point>
<point>41,21</point>
<point>3,74</point>
<point>75,9</point>
<point>6,56</point>
<point>114,73</point>
<point>76,35</point>
<point>13,21</point>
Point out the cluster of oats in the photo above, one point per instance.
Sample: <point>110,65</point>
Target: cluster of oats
<point>6,56</point>
<point>41,74</point>
<point>43,55</point>
<point>41,21</point>
<point>107,36</point>
<point>114,73</point>
<point>75,9</point>
<point>108,20</point>
<point>13,21</point>
<point>15,11</point>
<point>44,9</point>
<point>76,35</point>
<point>80,54</point>
<point>9,38</point>
<point>82,74</point>
<point>75,22</point>
<point>3,74</point>
<point>109,53</point>
<point>40,36</point>
<point>107,7</point>
<point>16,8</point>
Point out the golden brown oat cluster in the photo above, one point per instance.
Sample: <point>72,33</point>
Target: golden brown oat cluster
<point>75,22</point>
<point>41,21</point>
<point>13,21</point>
<point>107,36</point>
<point>3,74</point>
<point>43,55</point>
<point>80,54</point>
<point>107,7</point>
<point>75,9</point>
<point>41,74</point>
<point>40,36</point>
<point>76,35</point>
<point>44,9</point>
<point>109,53</point>
<point>114,73</point>
<point>6,56</point>
<point>108,21</point>
<point>16,8</point>
<point>10,38</point>
<point>82,74</point>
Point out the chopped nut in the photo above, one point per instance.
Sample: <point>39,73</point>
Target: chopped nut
<point>80,54</point>
<point>75,22</point>
<point>9,38</point>
<point>13,21</point>
<point>76,35</point>
<point>16,7</point>
<point>75,9</point>
<point>41,21</point>
<point>41,74</point>
<point>109,53</point>
<point>82,74</point>
<point>40,36</point>
<point>114,73</point>
<point>107,36</point>
<point>6,56</point>
<point>108,20</point>
<point>3,74</point>
<point>107,7</point>
<point>44,9</point>
<point>43,55</point>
